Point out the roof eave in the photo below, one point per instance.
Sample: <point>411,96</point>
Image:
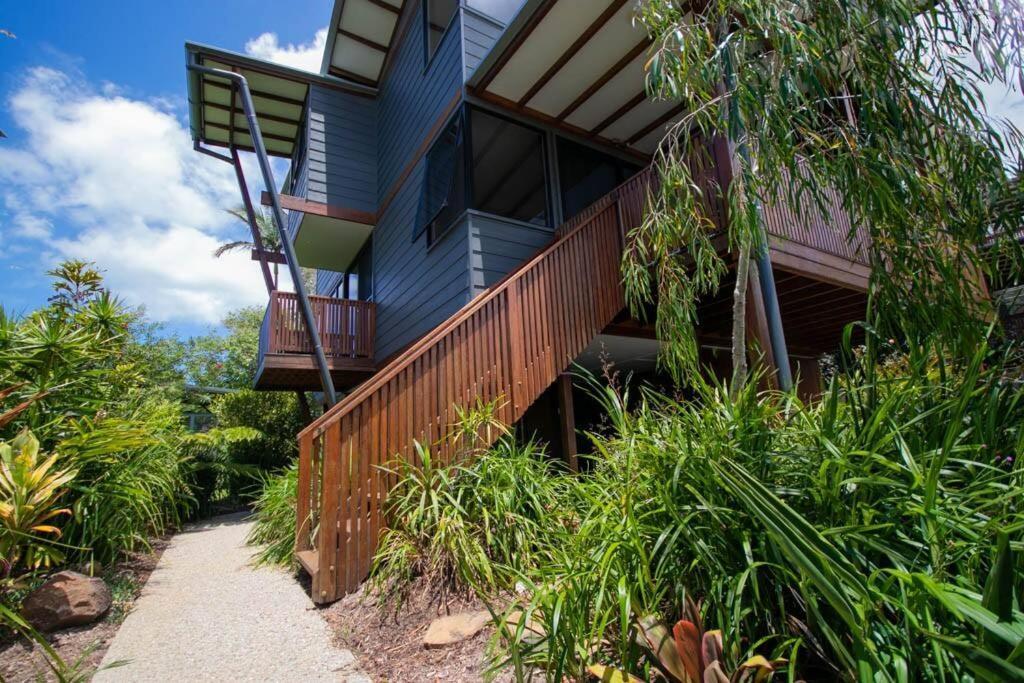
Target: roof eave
<point>513,29</point>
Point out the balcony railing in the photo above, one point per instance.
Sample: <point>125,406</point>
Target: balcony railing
<point>346,326</point>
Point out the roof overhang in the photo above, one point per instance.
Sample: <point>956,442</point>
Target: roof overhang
<point>578,66</point>
<point>216,115</point>
<point>361,36</point>
<point>325,242</point>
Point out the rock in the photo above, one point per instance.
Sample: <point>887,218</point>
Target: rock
<point>532,630</point>
<point>66,599</point>
<point>455,628</point>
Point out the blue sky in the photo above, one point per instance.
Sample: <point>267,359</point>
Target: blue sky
<point>97,163</point>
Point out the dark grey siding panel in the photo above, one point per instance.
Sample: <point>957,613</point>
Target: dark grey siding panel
<point>327,281</point>
<point>415,288</point>
<point>497,246</point>
<point>479,35</point>
<point>341,158</point>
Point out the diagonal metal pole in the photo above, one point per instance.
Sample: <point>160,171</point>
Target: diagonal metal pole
<point>289,249</point>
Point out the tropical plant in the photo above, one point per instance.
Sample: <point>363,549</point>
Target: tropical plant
<point>470,525</point>
<point>217,474</point>
<point>31,487</point>
<point>273,529</point>
<point>802,95</point>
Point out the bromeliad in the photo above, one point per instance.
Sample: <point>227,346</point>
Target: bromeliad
<point>688,654</point>
<point>30,487</point>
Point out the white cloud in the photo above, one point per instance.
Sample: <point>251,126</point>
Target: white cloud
<point>115,180</point>
<point>306,56</point>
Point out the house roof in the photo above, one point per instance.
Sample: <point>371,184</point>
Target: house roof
<point>216,116</point>
<point>579,66</point>
<point>360,38</point>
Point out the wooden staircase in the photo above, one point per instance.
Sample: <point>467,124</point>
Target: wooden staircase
<point>509,344</point>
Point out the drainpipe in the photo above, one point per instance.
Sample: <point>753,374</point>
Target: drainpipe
<point>286,243</point>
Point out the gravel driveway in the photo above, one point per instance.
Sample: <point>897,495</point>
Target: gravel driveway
<point>206,615</point>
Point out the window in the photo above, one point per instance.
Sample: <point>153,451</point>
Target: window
<point>438,14</point>
<point>444,183</point>
<point>498,169</point>
<point>586,175</point>
<point>508,169</point>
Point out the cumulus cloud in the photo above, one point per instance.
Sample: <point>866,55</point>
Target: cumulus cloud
<point>306,56</point>
<point>106,178</point>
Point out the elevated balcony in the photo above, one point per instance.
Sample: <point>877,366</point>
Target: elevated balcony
<point>286,360</point>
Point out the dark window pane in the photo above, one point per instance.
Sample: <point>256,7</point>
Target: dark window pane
<point>508,169</point>
<point>586,175</point>
<point>439,15</point>
<point>364,273</point>
<point>444,196</point>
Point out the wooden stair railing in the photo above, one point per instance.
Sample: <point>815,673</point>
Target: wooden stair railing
<point>509,344</point>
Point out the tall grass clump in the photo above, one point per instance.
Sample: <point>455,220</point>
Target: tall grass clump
<point>273,529</point>
<point>470,525</point>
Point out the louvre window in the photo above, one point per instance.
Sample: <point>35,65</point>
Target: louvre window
<point>444,183</point>
<point>438,16</point>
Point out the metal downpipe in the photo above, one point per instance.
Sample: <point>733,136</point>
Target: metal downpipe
<point>289,250</point>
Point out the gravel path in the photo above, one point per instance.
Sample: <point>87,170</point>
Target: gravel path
<point>206,615</point>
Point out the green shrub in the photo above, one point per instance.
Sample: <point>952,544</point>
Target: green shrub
<point>275,415</point>
<point>274,517</point>
<point>470,526</point>
<point>853,536</point>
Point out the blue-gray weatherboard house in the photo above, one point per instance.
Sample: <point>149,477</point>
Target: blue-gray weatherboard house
<point>463,177</point>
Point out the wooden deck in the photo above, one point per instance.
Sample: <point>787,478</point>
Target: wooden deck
<point>286,360</point>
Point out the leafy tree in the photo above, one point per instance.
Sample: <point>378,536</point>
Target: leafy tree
<point>880,100</point>
<point>226,360</point>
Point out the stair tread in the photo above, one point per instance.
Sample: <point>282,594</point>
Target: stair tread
<point>310,561</point>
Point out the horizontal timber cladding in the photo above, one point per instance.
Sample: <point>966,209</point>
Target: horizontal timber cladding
<point>508,345</point>
<point>415,287</point>
<point>498,245</point>
<point>479,34</point>
<point>341,155</point>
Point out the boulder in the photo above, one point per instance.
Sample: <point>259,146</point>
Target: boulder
<point>66,599</point>
<point>455,628</point>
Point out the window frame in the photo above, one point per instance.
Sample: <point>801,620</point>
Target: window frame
<point>545,157</point>
<point>428,54</point>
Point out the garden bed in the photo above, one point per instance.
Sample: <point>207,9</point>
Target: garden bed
<point>389,644</point>
<point>82,647</point>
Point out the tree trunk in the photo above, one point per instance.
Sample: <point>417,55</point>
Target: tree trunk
<point>739,322</point>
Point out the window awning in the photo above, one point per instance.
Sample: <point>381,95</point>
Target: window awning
<point>279,93</point>
<point>578,66</point>
<point>362,32</point>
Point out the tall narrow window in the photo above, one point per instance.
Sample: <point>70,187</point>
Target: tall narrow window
<point>508,169</point>
<point>438,14</point>
<point>444,184</point>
